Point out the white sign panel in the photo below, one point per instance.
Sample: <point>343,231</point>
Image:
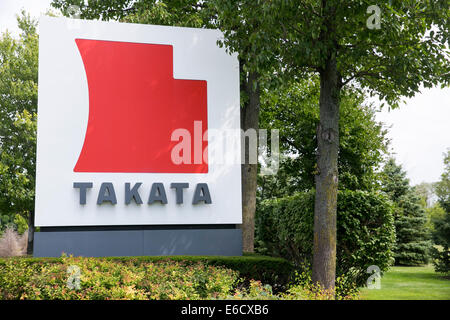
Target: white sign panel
<point>126,117</point>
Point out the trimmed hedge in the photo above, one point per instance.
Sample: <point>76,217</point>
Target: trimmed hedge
<point>276,272</point>
<point>365,232</point>
<point>100,279</point>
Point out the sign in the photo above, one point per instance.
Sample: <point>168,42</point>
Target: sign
<point>125,116</point>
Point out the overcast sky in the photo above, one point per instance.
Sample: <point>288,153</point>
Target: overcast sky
<point>419,130</point>
<point>420,133</point>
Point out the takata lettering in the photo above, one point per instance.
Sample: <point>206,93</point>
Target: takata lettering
<point>157,194</point>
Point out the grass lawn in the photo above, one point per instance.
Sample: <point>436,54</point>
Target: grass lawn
<point>410,283</point>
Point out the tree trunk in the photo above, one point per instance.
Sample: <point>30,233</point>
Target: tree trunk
<point>30,232</point>
<point>324,257</point>
<point>249,120</point>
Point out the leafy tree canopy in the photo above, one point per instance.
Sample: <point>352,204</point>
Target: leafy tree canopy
<point>440,219</point>
<point>293,109</point>
<point>442,187</point>
<point>18,103</point>
<point>408,50</point>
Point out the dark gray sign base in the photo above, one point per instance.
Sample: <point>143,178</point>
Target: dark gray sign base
<point>114,243</point>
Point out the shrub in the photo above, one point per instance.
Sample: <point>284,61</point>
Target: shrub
<point>255,291</point>
<point>138,278</point>
<point>283,227</point>
<point>176,277</point>
<point>365,233</point>
<point>273,271</point>
<point>302,288</point>
<point>441,260</point>
<point>441,237</point>
<point>102,279</point>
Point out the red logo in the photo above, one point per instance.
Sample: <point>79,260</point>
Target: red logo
<point>134,106</point>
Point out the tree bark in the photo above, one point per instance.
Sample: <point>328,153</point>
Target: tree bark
<point>249,172</point>
<point>324,257</point>
<point>30,233</point>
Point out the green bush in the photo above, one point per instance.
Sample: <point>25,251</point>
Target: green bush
<point>365,232</point>
<point>283,227</point>
<point>107,279</point>
<point>441,260</point>
<point>441,237</point>
<point>304,289</point>
<point>176,277</point>
<point>275,272</point>
<point>272,271</point>
<point>142,278</point>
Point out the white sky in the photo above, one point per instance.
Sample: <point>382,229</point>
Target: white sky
<point>10,8</point>
<point>420,133</point>
<point>420,129</point>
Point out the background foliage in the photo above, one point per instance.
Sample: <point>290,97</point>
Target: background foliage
<point>441,221</point>
<point>412,244</point>
<point>365,232</point>
<point>18,104</point>
<point>152,278</point>
<point>104,279</point>
<point>293,109</point>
